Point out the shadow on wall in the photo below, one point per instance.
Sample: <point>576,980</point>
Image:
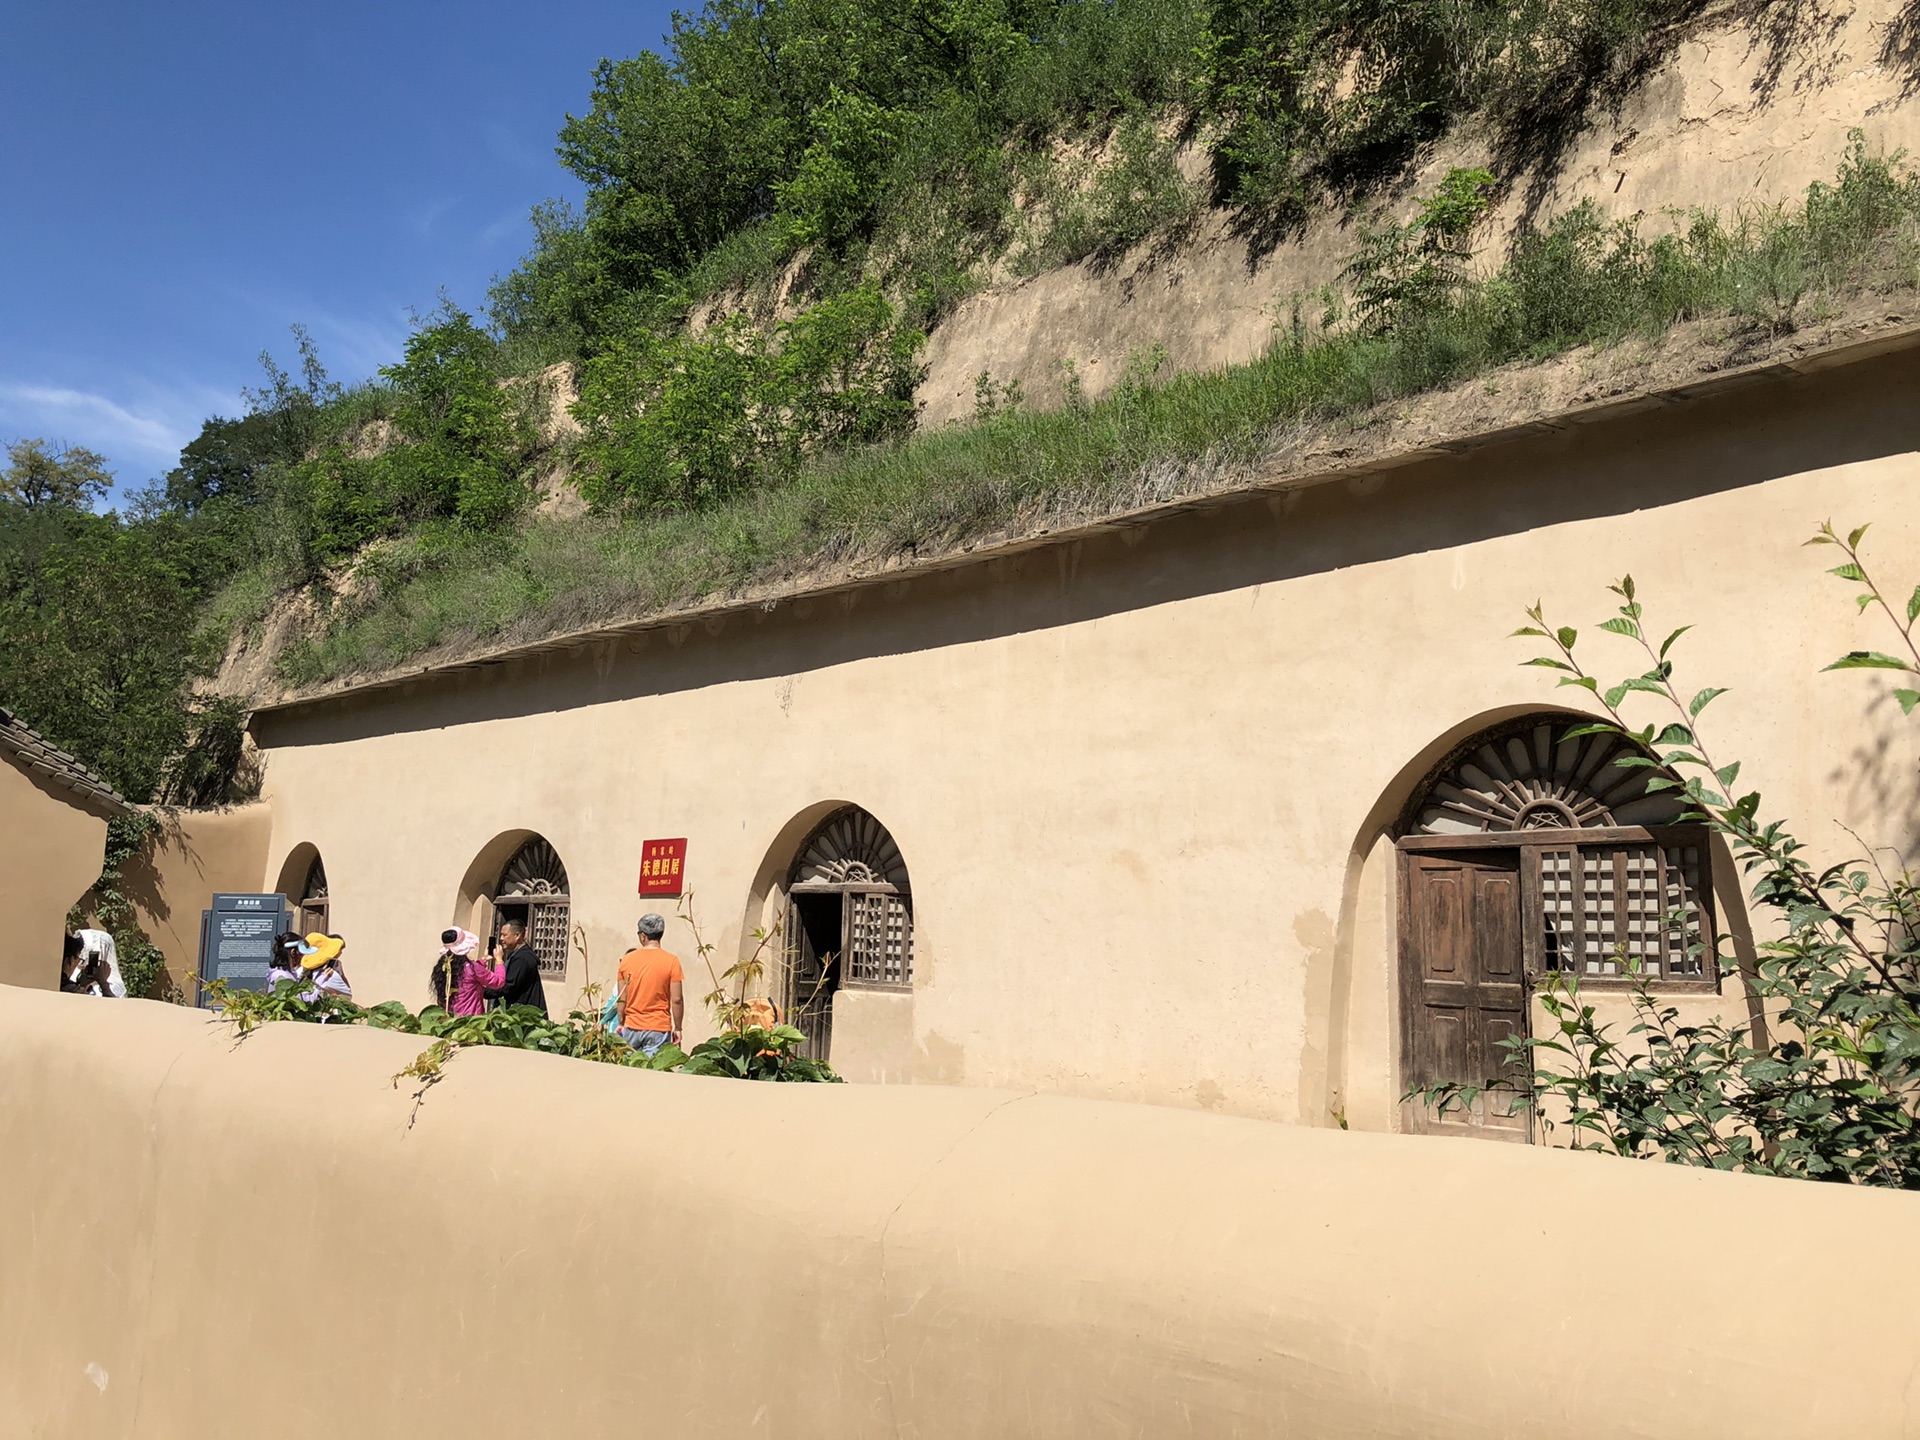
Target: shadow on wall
<point>1900,49</point>
<point>766,895</point>
<point>1797,41</point>
<point>1880,782</point>
<point>294,870</point>
<point>482,876</point>
<point>1725,441</point>
<point>194,854</point>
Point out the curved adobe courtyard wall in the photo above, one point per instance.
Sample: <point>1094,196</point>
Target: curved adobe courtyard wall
<point>50,851</point>
<point>205,1239</point>
<point>194,855</point>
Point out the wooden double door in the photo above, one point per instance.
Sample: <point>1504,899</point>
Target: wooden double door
<point>1463,987</point>
<point>1483,918</point>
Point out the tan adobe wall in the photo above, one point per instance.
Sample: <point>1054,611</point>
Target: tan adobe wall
<point>50,853</point>
<point>1141,780</point>
<point>196,853</point>
<point>214,1240</point>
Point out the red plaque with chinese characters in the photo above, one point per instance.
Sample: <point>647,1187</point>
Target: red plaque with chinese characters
<point>662,863</point>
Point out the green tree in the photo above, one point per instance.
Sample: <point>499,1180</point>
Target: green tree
<point>468,442</point>
<point>42,476</point>
<point>225,463</point>
<point>97,641</point>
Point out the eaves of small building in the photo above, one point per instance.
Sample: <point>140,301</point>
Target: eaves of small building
<point>48,763</point>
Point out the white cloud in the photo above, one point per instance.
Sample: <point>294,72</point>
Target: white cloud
<point>352,347</point>
<point>423,217</point>
<point>511,223</point>
<point>82,417</point>
<point>140,429</point>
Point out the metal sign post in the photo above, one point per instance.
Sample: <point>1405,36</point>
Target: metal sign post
<point>236,940</point>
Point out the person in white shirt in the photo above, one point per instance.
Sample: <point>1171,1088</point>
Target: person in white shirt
<point>97,969</point>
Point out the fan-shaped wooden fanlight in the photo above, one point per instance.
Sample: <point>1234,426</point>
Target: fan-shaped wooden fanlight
<point>1538,774</point>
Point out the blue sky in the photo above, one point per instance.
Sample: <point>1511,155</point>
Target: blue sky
<point>181,182</point>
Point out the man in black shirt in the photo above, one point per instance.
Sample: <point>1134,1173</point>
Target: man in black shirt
<point>523,969</point>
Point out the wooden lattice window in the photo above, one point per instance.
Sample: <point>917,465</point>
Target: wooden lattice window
<point>534,881</point>
<point>852,855</point>
<point>1607,911</point>
<point>1534,851</point>
<point>879,950</point>
<point>314,906</point>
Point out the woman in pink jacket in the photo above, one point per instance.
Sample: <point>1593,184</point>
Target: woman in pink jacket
<point>458,974</point>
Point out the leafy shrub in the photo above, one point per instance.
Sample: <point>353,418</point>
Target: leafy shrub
<point>844,373</point>
<point>681,421</point>
<point>827,197</point>
<point>767,1053</point>
<point>465,433</point>
<point>458,450</point>
<point>674,420</point>
<point>561,294</point>
<point>750,1045</point>
<point>755,1053</point>
<point>1101,210</point>
<point>1401,270</point>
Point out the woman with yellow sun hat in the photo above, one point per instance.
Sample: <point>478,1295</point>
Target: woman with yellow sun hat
<point>320,958</point>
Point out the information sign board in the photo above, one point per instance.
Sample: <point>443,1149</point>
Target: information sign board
<point>663,865</point>
<point>236,940</point>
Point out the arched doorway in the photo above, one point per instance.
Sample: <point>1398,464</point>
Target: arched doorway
<point>849,922</point>
<point>532,889</point>
<point>314,907</point>
<point>1530,849</point>
<point>303,880</point>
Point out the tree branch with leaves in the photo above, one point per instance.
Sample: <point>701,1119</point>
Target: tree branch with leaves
<point>1835,1093</point>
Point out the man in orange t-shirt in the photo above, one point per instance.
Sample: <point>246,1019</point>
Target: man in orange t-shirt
<point>649,990</point>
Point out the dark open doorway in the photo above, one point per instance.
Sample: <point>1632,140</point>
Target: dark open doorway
<point>849,923</point>
<point>817,927</point>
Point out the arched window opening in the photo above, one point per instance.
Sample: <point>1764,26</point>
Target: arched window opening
<point>849,921</point>
<point>313,906</point>
<point>1532,849</point>
<point>533,890</point>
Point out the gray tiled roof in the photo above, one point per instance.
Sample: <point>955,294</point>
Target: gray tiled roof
<point>34,752</point>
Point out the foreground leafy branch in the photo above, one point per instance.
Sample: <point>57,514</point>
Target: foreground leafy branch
<point>1835,1093</point>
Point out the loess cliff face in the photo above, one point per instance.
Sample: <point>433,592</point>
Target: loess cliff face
<point>1755,104</point>
<point>1745,109</point>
